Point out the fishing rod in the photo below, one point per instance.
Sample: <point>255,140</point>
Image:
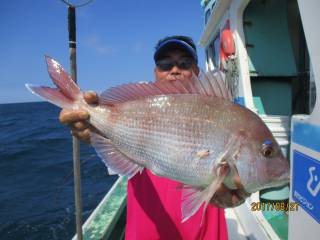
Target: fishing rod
<point>72,5</point>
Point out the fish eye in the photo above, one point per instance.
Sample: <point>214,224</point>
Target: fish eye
<point>267,149</point>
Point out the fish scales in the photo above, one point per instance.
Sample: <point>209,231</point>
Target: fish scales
<point>166,132</point>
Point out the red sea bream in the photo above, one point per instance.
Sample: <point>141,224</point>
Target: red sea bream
<point>186,130</point>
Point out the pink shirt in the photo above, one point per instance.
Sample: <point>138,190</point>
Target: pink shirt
<point>154,212</point>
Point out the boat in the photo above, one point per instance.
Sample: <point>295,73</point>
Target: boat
<point>268,51</point>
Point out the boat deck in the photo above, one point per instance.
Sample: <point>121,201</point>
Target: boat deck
<point>235,230</point>
<point>108,219</point>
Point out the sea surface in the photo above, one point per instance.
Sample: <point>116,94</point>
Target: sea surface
<point>36,174</point>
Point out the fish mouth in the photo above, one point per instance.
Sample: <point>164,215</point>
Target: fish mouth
<point>264,182</point>
<point>279,183</point>
<point>271,180</point>
<point>279,179</point>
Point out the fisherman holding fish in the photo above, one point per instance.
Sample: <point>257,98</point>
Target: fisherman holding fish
<point>181,141</point>
<point>154,203</point>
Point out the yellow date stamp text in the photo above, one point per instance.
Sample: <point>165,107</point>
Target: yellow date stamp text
<point>275,206</point>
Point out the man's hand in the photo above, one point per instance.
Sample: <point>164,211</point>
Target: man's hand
<point>77,119</point>
<point>225,197</point>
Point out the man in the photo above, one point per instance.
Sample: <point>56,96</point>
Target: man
<point>154,203</point>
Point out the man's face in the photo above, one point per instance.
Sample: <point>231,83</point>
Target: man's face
<point>175,72</point>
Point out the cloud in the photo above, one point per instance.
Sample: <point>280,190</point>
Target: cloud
<point>95,42</point>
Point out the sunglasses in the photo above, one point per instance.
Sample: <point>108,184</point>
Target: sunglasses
<point>167,64</point>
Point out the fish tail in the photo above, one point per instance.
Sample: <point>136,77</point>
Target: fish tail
<point>53,95</point>
<point>66,93</point>
<point>62,79</point>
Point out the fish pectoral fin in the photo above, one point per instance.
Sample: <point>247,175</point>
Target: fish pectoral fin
<point>193,198</point>
<point>229,171</point>
<point>116,161</point>
<point>232,149</point>
<point>226,164</point>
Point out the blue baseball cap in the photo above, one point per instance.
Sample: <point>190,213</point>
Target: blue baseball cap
<point>175,43</point>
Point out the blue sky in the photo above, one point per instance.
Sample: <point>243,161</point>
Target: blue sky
<point>115,41</point>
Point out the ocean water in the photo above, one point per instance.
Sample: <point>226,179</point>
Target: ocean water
<point>36,174</point>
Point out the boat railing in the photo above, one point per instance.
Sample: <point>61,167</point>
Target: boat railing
<point>279,125</point>
<point>102,223</point>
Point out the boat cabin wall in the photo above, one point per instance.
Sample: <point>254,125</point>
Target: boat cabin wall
<point>279,62</point>
<point>271,69</point>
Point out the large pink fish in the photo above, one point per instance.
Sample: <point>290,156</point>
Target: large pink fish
<point>188,131</point>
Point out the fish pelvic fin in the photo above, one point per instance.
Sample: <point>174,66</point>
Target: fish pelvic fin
<point>208,84</point>
<point>116,161</point>
<point>65,93</point>
<point>194,198</point>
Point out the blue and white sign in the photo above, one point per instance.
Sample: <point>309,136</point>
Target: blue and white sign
<point>306,183</point>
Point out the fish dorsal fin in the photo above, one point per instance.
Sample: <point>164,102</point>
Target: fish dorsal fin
<point>214,84</point>
<point>208,84</point>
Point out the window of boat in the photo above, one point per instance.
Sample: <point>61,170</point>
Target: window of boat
<point>215,51</point>
<point>207,15</point>
<point>213,5</point>
<point>207,56</point>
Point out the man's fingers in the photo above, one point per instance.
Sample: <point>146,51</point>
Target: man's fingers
<point>240,187</point>
<point>80,125</point>
<point>236,199</point>
<point>91,97</point>
<point>243,194</point>
<point>217,202</point>
<point>237,181</point>
<point>85,134</point>
<point>239,197</point>
<point>82,135</point>
<point>70,116</point>
<point>225,197</point>
<point>230,199</point>
<point>222,197</point>
<point>222,190</point>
